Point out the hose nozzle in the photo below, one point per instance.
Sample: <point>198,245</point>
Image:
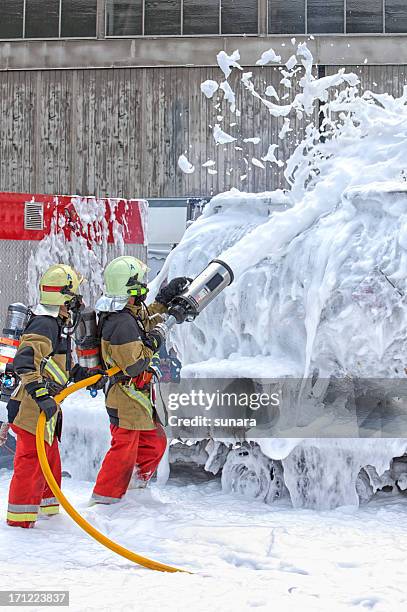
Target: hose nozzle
<point>201,291</point>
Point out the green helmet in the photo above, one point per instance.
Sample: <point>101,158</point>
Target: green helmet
<point>124,277</point>
<point>58,285</point>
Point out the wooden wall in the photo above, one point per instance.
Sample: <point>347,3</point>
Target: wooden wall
<point>119,132</point>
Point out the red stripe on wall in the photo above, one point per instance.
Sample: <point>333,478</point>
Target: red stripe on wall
<point>125,212</point>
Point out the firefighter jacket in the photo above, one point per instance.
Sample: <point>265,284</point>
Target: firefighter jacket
<point>43,354</point>
<point>122,345</point>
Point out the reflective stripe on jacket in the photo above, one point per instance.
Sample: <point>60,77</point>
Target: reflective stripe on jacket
<point>42,355</point>
<point>122,345</point>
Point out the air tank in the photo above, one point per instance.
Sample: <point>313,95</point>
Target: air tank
<point>87,340</point>
<point>16,320</point>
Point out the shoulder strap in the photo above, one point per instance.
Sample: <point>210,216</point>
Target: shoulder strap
<point>146,309</point>
<point>103,316</point>
<point>138,320</point>
<point>68,361</point>
<point>68,353</point>
<point>30,316</point>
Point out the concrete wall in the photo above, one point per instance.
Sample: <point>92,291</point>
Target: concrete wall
<point>187,51</point>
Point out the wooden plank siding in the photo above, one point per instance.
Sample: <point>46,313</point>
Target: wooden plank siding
<point>119,132</point>
<point>378,79</point>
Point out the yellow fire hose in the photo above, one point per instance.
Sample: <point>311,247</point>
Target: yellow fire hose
<point>79,520</point>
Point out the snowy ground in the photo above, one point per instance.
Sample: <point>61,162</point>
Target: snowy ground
<point>243,554</point>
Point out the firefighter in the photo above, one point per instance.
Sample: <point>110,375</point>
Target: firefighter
<point>128,340</point>
<point>43,363</point>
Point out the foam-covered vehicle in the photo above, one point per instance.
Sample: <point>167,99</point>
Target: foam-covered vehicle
<point>318,300</point>
<point>322,313</point>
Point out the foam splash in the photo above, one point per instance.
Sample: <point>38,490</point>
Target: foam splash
<point>314,267</point>
<point>305,263</point>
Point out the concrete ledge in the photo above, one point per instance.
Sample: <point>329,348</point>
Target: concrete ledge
<point>195,51</point>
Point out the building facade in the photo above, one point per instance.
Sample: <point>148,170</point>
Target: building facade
<point>101,97</point>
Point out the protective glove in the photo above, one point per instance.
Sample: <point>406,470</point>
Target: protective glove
<point>4,427</point>
<point>53,387</point>
<point>175,287</point>
<point>100,384</point>
<point>79,373</point>
<point>154,338</point>
<point>40,395</point>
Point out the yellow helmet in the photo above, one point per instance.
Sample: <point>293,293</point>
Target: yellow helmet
<point>58,285</point>
<point>124,276</point>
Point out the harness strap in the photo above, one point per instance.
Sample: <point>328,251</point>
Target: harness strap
<point>102,318</point>
<point>68,352</point>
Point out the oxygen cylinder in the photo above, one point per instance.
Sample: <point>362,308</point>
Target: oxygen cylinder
<point>87,340</point>
<point>16,320</point>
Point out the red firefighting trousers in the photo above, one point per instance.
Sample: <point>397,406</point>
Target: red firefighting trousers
<point>129,449</point>
<point>29,491</point>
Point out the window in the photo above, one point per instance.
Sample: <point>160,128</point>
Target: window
<point>286,16</point>
<point>396,16</point>
<point>364,16</point>
<point>181,17</point>
<point>162,18</point>
<point>47,18</point>
<point>78,18</point>
<point>42,19</point>
<point>239,17</point>
<point>124,17</point>
<point>201,17</point>
<point>11,18</point>
<point>325,16</point>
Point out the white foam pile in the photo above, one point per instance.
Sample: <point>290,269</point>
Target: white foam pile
<point>88,250</point>
<point>314,276</point>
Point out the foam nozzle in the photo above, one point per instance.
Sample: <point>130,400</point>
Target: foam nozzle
<point>201,291</point>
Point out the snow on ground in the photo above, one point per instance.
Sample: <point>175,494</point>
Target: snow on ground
<point>242,554</point>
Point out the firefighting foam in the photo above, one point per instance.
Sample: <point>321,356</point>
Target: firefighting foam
<point>310,292</point>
